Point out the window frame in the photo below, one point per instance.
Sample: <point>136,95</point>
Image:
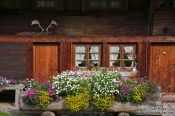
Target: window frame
<point>108,7</point>
<point>55,5</point>
<point>87,52</point>
<point>122,66</point>
<point>165,8</point>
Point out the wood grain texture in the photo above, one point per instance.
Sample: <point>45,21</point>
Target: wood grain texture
<point>13,60</point>
<point>162,66</point>
<point>45,63</point>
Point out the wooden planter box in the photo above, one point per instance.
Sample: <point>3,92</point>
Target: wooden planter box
<point>153,103</point>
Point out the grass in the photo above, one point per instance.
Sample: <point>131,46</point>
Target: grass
<point>4,114</point>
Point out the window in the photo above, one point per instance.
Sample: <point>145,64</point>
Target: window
<point>104,4</point>
<point>87,55</point>
<point>45,3</point>
<point>123,56</point>
<point>167,4</point>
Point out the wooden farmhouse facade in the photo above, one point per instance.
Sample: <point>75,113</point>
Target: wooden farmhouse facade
<point>90,33</point>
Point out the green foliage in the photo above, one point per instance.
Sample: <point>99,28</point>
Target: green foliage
<point>143,90</point>
<point>103,103</point>
<point>79,101</point>
<point>4,114</point>
<point>31,100</point>
<point>33,84</point>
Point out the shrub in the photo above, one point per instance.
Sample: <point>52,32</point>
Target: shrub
<point>103,103</point>
<point>79,101</point>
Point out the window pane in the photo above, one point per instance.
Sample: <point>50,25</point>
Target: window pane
<point>104,4</point>
<point>128,56</point>
<point>114,4</point>
<point>94,49</point>
<point>80,56</point>
<point>128,63</point>
<point>114,55</point>
<point>129,49</point>
<point>45,3</point>
<point>80,49</point>
<point>114,49</point>
<point>94,55</point>
<point>41,3</point>
<point>95,4</point>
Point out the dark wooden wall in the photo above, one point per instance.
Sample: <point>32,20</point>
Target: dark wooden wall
<point>164,23</point>
<point>15,4</point>
<point>13,60</point>
<point>128,23</point>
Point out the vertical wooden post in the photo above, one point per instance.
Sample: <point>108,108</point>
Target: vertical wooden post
<point>105,55</point>
<point>30,60</point>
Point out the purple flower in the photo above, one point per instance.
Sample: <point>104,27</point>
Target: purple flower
<point>51,91</point>
<point>31,92</point>
<point>141,79</point>
<point>12,81</point>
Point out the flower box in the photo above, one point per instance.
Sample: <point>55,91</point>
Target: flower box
<point>154,102</point>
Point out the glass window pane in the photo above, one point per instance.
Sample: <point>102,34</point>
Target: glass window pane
<point>115,63</point>
<point>114,4</point>
<point>128,63</point>
<point>80,56</point>
<point>114,49</point>
<point>94,55</point>
<point>45,3</point>
<point>94,49</point>
<point>81,63</point>
<point>95,4</point>
<point>129,49</point>
<point>128,56</point>
<point>114,55</point>
<point>80,49</point>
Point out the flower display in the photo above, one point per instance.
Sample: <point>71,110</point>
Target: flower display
<point>79,101</point>
<point>37,98</point>
<point>68,83</point>
<point>79,91</point>
<point>4,82</point>
<point>104,83</point>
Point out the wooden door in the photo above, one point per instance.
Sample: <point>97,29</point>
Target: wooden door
<point>45,61</point>
<point>162,68</point>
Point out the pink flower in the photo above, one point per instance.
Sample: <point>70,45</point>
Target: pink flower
<point>31,92</point>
